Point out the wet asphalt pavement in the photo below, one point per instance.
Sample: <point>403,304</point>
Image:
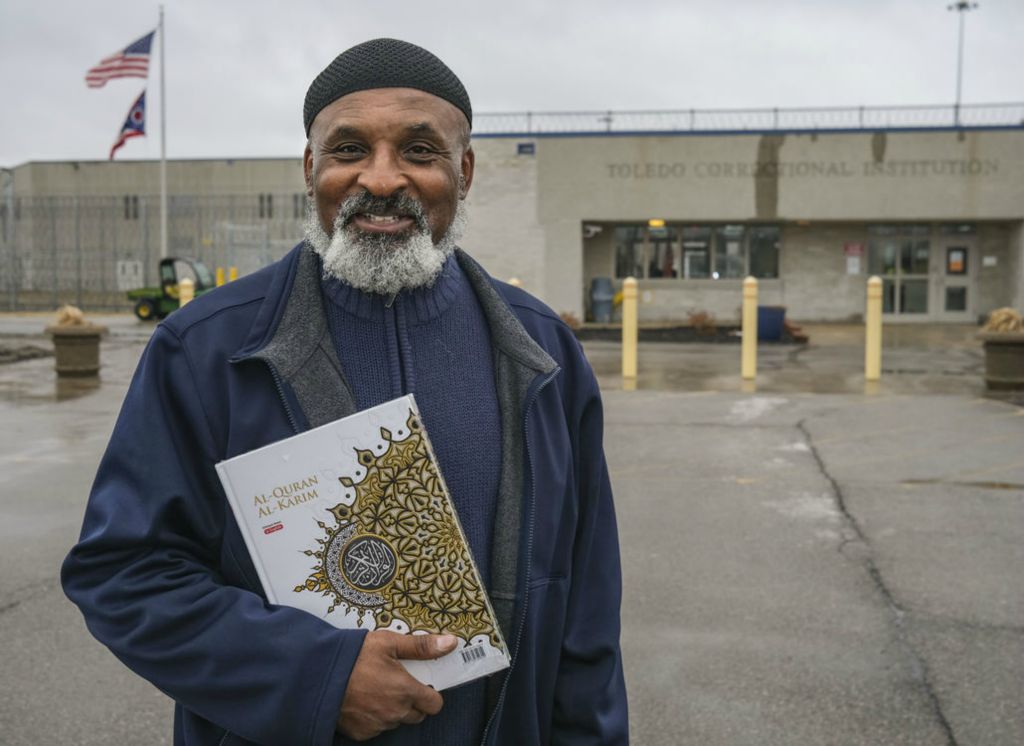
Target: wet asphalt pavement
<point>807,561</point>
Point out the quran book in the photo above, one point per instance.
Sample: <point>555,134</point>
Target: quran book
<point>352,522</point>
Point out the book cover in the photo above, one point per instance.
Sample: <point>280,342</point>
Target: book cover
<point>352,522</point>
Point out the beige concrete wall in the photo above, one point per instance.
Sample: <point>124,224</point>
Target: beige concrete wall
<point>861,176</point>
<point>504,234</point>
<point>995,283</point>
<point>814,282</point>
<point>1017,276</point>
<point>910,176</point>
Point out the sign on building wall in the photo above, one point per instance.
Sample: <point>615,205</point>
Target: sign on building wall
<point>853,252</point>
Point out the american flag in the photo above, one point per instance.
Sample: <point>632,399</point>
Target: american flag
<point>130,62</point>
<point>134,124</point>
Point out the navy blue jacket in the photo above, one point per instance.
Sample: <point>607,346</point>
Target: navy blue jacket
<point>163,577</point>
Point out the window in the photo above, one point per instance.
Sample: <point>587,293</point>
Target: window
<point>764,251</point>
<point>663,259</point>
<point>730,262</point>
<point>298,206</point>
<point>899,229</point>
<point>629,251</point>
<point>697,252</point>
<point>956,299</point>
<point>266,206</point>
<point>131,207</point>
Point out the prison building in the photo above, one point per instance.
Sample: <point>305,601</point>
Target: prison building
<point>810,202</point>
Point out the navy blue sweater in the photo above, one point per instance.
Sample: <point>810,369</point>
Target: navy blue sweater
<point>433,342</point>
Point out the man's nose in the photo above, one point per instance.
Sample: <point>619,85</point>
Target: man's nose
<point>382,174</point>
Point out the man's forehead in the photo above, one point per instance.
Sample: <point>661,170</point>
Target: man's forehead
<point>407,107</point>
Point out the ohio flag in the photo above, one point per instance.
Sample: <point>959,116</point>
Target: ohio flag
<point>134,123</point>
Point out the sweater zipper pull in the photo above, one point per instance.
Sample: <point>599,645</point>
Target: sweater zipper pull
<point>391,302</point>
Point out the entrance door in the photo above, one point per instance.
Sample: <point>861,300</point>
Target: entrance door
<point>901,256</point>
<point>955,289</point>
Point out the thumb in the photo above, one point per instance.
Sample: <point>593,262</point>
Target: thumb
<point>423,647</point>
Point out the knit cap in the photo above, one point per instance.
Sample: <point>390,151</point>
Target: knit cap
<point>384,63</point>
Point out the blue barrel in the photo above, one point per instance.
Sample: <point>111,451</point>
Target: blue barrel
<point>770,322</point>
<point>602,293</point>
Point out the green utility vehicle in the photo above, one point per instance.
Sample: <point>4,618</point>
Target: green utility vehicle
<point>155,303</point>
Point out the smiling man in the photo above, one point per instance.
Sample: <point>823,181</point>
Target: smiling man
<point>375,303</point>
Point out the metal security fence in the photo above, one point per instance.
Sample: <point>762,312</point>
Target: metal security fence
<point>89,251</point>
<point>754,120</point>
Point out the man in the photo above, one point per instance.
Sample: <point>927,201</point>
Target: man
<point>375,303</point>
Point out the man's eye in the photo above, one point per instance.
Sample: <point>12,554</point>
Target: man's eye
<point>348,149</point>
<point>419,151</point>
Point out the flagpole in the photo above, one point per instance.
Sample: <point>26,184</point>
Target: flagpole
<point>163,142</point>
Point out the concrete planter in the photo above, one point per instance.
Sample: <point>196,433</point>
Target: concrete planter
<point>77,349</point>
<point>1004,359</point>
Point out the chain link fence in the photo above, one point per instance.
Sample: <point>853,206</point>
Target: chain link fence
<point>89,251</point>
<point>753,120</point>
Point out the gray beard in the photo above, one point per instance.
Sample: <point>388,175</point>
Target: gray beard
<point>381,263</point>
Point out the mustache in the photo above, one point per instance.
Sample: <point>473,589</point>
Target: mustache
<point>395,204</point>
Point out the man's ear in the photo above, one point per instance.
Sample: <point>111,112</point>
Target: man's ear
<point>307,169</point>
<point>467,166</point>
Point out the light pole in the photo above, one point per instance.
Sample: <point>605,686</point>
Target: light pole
<point>961,7</point>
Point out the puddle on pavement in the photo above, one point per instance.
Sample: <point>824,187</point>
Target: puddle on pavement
<point>979,485</point>
<point>785,370</point>
<point>49,389</point>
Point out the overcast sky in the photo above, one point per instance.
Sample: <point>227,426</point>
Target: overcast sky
<point>237,70</point>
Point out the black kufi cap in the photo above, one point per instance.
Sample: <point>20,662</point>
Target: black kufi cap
<point>384,63</point>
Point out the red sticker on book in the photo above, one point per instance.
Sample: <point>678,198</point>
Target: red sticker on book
<point>273,527</point>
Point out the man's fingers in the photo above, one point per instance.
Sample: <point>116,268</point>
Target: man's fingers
<point>423,647</point>
<point>427,701</point>
<point>413,717</point>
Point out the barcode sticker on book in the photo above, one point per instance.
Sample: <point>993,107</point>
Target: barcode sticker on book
<point>473,654</point>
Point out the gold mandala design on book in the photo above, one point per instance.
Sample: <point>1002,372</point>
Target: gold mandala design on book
<point>397,552</point>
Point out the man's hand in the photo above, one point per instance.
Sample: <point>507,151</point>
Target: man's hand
<point>381,694</point>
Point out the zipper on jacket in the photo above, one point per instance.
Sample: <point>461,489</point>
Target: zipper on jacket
<point>284,400</point>
<point>529,551</point>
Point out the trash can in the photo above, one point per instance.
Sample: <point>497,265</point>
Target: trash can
<point>770,322</point>
<point>602,292</point>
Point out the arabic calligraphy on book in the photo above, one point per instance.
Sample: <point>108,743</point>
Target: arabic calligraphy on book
<point>396,551</point>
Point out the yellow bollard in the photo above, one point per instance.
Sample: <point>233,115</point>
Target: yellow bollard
<point>748,356</point>
<point>186,291</point>
<point>873,331</point>
<point>232,274</point>
<point>515,282</point>
<point>220,276</point>
<point>629,327</point>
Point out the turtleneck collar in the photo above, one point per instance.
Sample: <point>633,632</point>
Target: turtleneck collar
<point>420,304</point>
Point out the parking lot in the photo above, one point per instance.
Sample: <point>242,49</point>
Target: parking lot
<point>807,560</point>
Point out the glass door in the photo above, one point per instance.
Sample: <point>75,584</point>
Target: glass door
<point>901,256</point>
